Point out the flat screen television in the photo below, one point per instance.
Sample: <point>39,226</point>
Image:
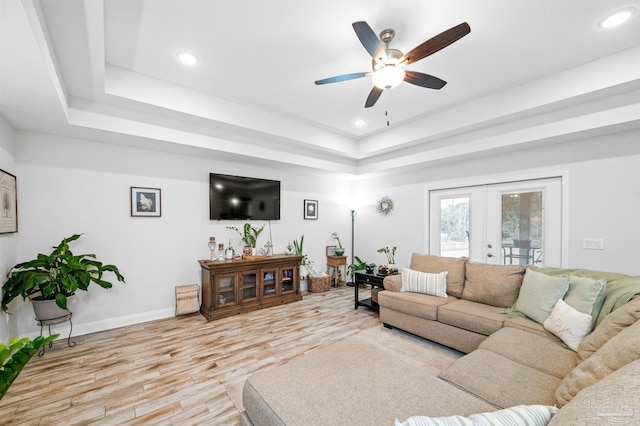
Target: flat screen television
<point>241,198</point>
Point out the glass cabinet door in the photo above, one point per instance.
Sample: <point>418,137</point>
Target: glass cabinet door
<point>249,282</point>
<point>288,275</point>
<point>226,285</point>
<point>269,283</point>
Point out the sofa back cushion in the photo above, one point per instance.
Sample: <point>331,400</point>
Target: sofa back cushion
<point>613,400</point>
<point>495,285</point>
<point>454,266</point>
<point>610,326</point>
<point>619,351</point>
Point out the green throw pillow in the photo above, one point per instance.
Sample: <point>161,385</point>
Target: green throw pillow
<point>539,294</point>
<point>586,295</point>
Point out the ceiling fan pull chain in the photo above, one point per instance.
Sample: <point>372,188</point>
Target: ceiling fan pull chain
<point>386,113</point>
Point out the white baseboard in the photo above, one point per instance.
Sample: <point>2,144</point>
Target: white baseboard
<point>108,324</point>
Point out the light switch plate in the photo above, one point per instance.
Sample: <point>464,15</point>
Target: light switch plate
<point>593,243</point>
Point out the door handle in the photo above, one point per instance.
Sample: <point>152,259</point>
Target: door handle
<point>489,255</point>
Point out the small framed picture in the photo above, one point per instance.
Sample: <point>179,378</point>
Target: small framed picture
<point>331,250</point>
<point>8,203</point>
<point>311,209</point>
<point>145,202</point>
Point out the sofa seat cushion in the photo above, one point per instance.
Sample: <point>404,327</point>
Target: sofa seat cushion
<point>527,324</point>
<point>495,285</point>
<point>534,351</point>
<point>416,304</point>
<point>611,401</point>
<point>501,381</point>
<point>352,382</point>
<point>472,316</point>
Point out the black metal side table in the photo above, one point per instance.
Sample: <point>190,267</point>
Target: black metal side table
<point>53,321</point>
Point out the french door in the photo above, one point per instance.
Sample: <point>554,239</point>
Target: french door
<point>506,223</point>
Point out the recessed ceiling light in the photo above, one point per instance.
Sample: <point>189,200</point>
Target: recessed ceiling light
<point>187,58</point>
<point>360,123</point>
<point>617,18</point>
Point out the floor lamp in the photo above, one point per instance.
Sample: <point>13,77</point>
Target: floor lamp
<point>353,219</point>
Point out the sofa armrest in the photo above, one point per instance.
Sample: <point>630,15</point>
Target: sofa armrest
<point>392,282</point>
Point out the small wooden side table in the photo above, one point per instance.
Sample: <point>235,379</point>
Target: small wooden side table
<point>336,262</point>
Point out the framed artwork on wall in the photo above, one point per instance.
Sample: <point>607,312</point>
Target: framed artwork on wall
<point>311,209</point>
<point>146,202</point>
<point>8,203</point>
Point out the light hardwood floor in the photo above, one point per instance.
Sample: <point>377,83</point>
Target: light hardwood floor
<point>177,371</point>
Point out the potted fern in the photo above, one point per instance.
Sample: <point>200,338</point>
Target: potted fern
<point>49,280</point>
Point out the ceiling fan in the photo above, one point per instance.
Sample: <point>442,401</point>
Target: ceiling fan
<point>388,64</point>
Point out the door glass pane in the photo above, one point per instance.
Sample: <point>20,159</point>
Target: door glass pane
<point>269,283</point>
<point>249,286</point>
<point>454,227</point>
<point>522,228</point>
<point>287,279</point>
<point>227,290</point>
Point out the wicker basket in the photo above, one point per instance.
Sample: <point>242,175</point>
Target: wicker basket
<point>319,284</point>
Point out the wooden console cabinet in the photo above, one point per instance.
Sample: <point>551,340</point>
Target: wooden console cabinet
<point>230,287</point>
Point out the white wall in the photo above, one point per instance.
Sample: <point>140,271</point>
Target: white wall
<point>8,242</point>
<point>603,199</point>
<point>72,186</point>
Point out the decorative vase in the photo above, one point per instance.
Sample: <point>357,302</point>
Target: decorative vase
<point>246,251</point>
<point>339,251</point>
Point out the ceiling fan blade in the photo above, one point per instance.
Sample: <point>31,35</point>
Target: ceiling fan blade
<point>424,80</point>
<point>436,43</point>
<point>340,78</point>
<point>369,39</point>
<point>373,97</point>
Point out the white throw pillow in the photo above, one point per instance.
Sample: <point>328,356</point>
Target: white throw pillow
<point>423,282</point>
<point>568,324</point>
<point>520,415</point>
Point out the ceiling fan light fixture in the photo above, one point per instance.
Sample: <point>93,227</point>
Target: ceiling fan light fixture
<point>388,77</point>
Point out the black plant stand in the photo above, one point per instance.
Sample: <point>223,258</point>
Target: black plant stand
<point>53,321</point>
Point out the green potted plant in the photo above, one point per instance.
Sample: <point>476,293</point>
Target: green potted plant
<point>52,278</point>
<point>390,267</point>
<point>357,265</point>
<point>339,249</point>
<point>14,357</point>
<point>249,235</point>
<point>306,262</point>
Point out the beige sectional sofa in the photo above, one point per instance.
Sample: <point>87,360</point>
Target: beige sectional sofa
<point>510,360</point>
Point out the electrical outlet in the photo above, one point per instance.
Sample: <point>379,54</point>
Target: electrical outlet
<point>593,243</point>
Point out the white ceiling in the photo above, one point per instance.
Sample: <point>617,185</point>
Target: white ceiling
<point>107,70</point>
